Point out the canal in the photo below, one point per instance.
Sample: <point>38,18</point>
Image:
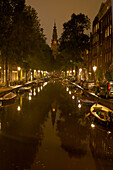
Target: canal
<point>48,129</point>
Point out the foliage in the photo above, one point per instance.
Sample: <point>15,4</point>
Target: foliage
<point>23,42</point>
<point>109,73</point>
<point>99,75</point>
<point>73,40</point>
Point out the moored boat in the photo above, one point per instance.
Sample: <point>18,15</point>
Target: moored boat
<point>8,97</point>
<point>102,113</point>
<point>23,89</point>
<point>88,102</point>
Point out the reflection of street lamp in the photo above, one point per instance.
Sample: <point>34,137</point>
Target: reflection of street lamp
<point>94,69</point>
<point>19,68</point>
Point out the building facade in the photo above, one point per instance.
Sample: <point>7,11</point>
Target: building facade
<point>101,39</point>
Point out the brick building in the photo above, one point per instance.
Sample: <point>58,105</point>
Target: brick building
<point>101,40</point>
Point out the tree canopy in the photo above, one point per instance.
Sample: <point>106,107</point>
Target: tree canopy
<point>74,40</point>
<point>22,41</point>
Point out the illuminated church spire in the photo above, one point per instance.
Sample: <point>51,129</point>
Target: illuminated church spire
<point>54,41</point>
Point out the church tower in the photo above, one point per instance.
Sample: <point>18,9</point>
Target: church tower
<point>54,42</point>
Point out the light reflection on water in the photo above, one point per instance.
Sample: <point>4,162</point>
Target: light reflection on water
<point>50,131</point>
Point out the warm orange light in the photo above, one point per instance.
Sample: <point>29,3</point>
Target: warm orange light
<point>53,109</point>
<point>54,42</point>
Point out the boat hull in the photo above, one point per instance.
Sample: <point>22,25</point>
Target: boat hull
<point>88,102</point>
<point>102,114</point>
<point>8,98</point>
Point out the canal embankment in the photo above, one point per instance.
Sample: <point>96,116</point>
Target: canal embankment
<point>106,102</point>
<point>5,90</point>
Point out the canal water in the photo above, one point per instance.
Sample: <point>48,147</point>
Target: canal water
<point>47,128</point>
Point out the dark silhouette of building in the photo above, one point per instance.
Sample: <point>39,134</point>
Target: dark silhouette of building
<point>54,42</point>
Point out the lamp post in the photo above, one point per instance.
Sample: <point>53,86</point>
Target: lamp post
<point>19,68</point>
<point>71,66</point>
<point>94,69</point>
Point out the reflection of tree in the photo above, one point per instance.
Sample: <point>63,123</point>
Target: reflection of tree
<point>71,126</point>
<point>53,111</point>
<point>22,132</point>
<point>74,152</point>
<point>17,153</point>
<point>18,146</point>
<point>101,145</point>
<point>73,136</point>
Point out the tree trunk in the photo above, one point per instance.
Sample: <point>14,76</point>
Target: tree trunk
<point>76,67</point>
<point>6,68</point>
<point>26,75</point>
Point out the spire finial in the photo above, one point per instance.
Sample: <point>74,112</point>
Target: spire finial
<point>55,22</point>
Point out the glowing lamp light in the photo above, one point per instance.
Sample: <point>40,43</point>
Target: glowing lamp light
<point>41,87</point>
<point>93,125</point>
<point>45,84</point>
<point>38,89</point>
<point>73,97</point>
<point>30,94</point>
<point>108,132</point>
<point>79,105</point>
<point>29,97</point>
<point>34,93</point>
<point>78,101</point>
<point>53,109</point>
<point>67,89</point>
<point>94,68</point>
<point>18,68</point>
<point>80,70</point>
<point>69,92</point>
<point>18,108</point>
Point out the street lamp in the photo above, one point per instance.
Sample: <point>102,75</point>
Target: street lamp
<point>94,69</point>
<point>19,68</point>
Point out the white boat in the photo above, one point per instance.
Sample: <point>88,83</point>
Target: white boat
<point>101,113</point>
<point>8,97</point>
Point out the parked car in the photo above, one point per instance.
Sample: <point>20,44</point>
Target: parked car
<point>88,85</point>
<point>105,89</point>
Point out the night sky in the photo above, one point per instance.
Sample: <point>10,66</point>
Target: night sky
<point>60,11</point>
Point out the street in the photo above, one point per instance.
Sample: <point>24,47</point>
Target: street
<point>48,129</point>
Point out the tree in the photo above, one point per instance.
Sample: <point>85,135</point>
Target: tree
<point>23,42</point>
<point>73,40</point>
<point>7,10</point>
<point>109,73</point>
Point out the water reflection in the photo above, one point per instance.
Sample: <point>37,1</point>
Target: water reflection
<point>53,111</point>
<point>101,145</point>
<point>73,134</point>
<point>52,132</point>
